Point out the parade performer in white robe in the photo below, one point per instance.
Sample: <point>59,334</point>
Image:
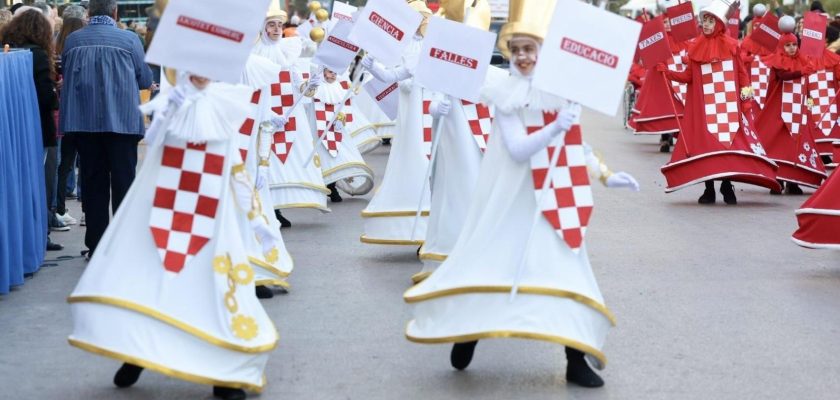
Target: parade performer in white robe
<point>170,288</point>
<point>390,215</point>
<point>297,186</point>
<point>255,140</point>
<point>464,129</point>
<point>361,130</point>
<point>342,165</point>
<point>469,297</point>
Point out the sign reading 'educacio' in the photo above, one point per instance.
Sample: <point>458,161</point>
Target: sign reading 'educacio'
<point>588,52</point>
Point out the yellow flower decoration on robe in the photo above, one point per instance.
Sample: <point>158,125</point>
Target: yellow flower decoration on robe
<point>244,327</point>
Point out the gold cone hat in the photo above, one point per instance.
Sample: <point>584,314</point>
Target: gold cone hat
<point>474,13</point>
<point>526,17</point>
<point>275,12</point>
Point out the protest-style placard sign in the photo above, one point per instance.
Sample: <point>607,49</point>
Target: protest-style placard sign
<point>336,52</point>
<point>813,34</point>
<point>653,47</point>
<point>767,34</point>
<point>457,52</point>
<point>384,29</point>
<point>385,95</point>
<point>212,39</point>
<point>733,25</point>
<point>343,11</point>
<point>683,23</point>
<point>586,55</point>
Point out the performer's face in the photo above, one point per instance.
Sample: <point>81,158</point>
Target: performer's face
<point>274,30</point>
<point>791,48</point>
<point>199,82</point>
<point>523,52</point>
<point>708,24</point>
<point>329,76</point>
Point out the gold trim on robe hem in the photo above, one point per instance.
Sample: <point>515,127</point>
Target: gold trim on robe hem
<point>432,256</point>
<point>396,242</point>
<point>275,282</point>
<point>384,214</point>
<point>362,129</point>
<point>514,335</point>
<point>302,205</point>
<point>201,380</point>
<point>544,291</point>
<point>128,305</point>
<point>353,164</point>
<point>300,185</point>
<point>420,276</point>
<point>269,267</point>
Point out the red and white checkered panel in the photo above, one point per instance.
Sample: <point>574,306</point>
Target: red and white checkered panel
<point>794,112</point>
<point>427,126</point>
<point>760,78</point>
<point>187,193</point>
<point>247,128</point>
<point>569,205</point>
<point>324,114</point>
<point>282,99</point>
<point>821,89</point>
<point>480,120</point>
<point>677,63</point>
<point>348,105</point>
<point>720,97</point>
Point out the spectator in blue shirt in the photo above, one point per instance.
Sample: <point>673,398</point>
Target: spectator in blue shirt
<point>103,73</point>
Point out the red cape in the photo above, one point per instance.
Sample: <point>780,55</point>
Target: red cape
<point>819,217</point>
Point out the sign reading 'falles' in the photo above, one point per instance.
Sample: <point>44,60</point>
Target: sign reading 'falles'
<point>384,28</point>
<point>458,52</point>
<point>586,55</point>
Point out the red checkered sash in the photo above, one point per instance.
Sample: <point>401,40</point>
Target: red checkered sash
<point>677,63</point>
<point>720,98</point>
<point>760,78</point>
<point>324,114</point>
<point>282,99</point>
<point>427,125</point>
<point>187,192</point>
<point>821,89</point>
<point>793,104</point>
<point>569,207</point>
<point>247,128</point>
<point>480,120</point>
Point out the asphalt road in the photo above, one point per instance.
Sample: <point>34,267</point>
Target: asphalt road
<point>712,302</point>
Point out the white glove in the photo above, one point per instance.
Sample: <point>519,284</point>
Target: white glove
<point>338,126</point>
<point>279,122</point>
<point>314,82</point>
<point>622,180</point>
<point>564,121</point>
<point>267,237</point>
<point>376,69</point>
<point>177,96</point>
<point>440,109</point>
<point>262,177</point>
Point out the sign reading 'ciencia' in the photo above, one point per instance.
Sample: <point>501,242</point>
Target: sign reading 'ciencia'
<point>386,26</point>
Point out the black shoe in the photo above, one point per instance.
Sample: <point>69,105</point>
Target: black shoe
<point>579,372</point>
<point>284,223</point>
<point>127,375</point>
<point>53,246</point>
<point>728,193</point>
<point>708,196</point>
<point>264,292</point>
<point>462,354</point>
<point>664,147</point>
<point>228,393</point>
<point>335,197</point>
<point>386,142</point>
<point>792,188</point>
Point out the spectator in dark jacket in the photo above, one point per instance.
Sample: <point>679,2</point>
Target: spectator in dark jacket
<point>104,72</point>
<point>31,30</point>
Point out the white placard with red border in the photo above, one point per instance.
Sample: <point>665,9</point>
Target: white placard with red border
<point>343,11</point>
<point>336,52</point>
<point>587,55</point>
<point>385,28</point>
<point>213,40</point>
<point>385,95</point>
<point>454,59</point>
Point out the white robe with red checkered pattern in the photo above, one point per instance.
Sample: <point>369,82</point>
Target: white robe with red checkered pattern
<point>468,296</point>
<point>128,306</point>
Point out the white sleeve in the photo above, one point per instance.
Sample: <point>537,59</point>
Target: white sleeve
<point>519,144</point>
